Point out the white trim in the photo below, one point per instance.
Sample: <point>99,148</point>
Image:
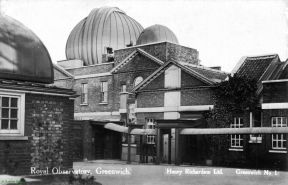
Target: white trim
<point>275,105</point>
<point>32,92</point>
<point>14,138</point>
<point>236,149</point>
<point>176,108</point>
<point>122,110</point>
<point>272,81</point>
<point>84,114</point>
<point>92,75</point>
<point>149,109</point>
<point>278,151</point>
<point>196,108</point>
<point>21,113</point>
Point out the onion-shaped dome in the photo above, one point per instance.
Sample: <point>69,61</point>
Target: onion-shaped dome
<point>22,55</point>
<point>106,27</point>
<point>156,33</point>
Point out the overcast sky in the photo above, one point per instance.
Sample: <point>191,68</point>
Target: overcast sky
<point>221,30</point>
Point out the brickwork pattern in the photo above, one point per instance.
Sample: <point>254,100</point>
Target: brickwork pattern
<point>94,69</point>
<point>275,92</point>
<point>47,120</point>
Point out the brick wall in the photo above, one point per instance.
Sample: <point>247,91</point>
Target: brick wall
<point>47,124</point>
<point>150,99</point>
<point>202,96</point>
<point>157,50</point>
<point>93,69</point>
<point>275,92</point>
<point>94,95</point>
<point>181,54</point>
<point>189,81</point>
<point>164,51</point>
<point>157,83</point>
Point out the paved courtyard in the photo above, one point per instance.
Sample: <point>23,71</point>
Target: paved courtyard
<point>106,171</point>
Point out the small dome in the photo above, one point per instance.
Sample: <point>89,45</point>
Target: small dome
<point>22,55</point>
<point>156,33</point>
<point>106,27</point>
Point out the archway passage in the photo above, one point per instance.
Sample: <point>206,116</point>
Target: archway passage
<point>107,143</point>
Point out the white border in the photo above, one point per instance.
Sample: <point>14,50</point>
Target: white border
<point>21,112</point>
<point>274,105</point>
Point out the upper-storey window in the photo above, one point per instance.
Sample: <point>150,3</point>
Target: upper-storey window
<point>279,140</point>
<point>137,80</point>
<point>104,92</point>
<point>84,93</point>
<point>12,114</point>
<point>237,139</point>
<point>150,124</point>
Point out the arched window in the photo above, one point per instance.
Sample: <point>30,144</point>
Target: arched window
<point>137,80</point>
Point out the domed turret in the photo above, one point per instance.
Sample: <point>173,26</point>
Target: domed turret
<point>22,55</point>
<point>105,29</point>
<point>156,33</point>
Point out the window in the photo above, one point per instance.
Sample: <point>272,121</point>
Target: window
<point>255,121</point>
<point>279,140</point>
<point>237,139</point>
<point>84,93</point>
<point>123,88</point>
<point>150,124</point>
<point>104,92</point>
<point>12,114</point>
<point>137,80</point>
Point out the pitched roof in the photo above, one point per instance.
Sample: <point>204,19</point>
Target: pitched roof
<point>206,75</point>
<point>260,68</point>
<point>31,87</point>
<point>255,67</point>
<point>212,74</point>
<point>134,54</point>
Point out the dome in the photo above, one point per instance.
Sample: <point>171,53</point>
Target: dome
<point>156,33</point>
<point>22,55</point>
<point>106,27</point>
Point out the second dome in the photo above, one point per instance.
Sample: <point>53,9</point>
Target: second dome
<point>104,29</point>
<point>156,33</point>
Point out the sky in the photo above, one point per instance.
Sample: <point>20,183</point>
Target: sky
<point>222,31</point>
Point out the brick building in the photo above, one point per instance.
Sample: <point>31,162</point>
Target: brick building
<point>262,150</point>
<point>155,79</point>
<point>158,80</point>
<point>35,116</point>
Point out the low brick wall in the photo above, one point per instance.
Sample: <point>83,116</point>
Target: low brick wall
<point>47,126</point>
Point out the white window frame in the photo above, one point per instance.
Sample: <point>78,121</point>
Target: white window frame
<point>150,124</point>
<point>20,114</point>
<point>279,140</point>
<point>236,140</point>
<point>84,93</point>
<point>104,92</point>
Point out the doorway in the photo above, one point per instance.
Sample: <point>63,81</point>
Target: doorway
<point>107,144</point>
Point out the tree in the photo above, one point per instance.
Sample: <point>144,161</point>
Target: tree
<point>232,97</point>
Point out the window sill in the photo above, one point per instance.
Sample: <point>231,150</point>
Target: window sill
<point>14,138</point>
<point>103,103</point>
<point>84,104</point>
<point>236,149</point>
<point>278,151</point>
